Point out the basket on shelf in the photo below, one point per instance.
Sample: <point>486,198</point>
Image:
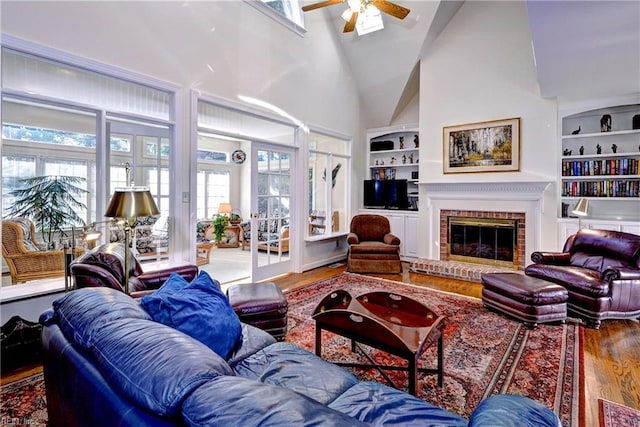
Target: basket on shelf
<point>235,217</point>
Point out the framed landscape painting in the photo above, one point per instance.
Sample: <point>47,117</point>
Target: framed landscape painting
<point>482,147</point>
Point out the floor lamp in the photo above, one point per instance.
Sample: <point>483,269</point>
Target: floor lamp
<point>581,209</point>
<point>128,204</point>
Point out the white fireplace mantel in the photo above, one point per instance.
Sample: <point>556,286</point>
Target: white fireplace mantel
<point>527,197</point>
<point>479,190</point>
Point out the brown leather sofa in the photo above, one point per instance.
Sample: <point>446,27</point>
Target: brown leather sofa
<point>104,266</point>
<point>601,271</point>
<point>372,247</point>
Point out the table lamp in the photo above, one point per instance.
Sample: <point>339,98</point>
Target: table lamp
<point>225,208</point>
<point>581,209</point>
<point>128,204</point>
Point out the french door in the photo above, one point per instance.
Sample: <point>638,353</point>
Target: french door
<point>139,153</point>
<point>273,197</point>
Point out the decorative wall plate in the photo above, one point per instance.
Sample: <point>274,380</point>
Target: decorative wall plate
<point>238,156</point>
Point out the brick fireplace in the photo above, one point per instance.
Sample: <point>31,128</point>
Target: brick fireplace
<point>530,204</point>
<point>498,219</point>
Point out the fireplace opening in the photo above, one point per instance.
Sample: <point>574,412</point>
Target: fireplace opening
<point>484,241</point>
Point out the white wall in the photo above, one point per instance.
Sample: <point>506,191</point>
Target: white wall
<point>220,48</point>
<point>481,68</point>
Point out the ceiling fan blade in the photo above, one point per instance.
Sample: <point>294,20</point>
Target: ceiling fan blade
<point>351,23</point>
<point>320,4</point>
<point>391,8</point>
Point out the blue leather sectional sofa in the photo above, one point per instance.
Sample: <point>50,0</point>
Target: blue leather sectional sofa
<point>107,363</point>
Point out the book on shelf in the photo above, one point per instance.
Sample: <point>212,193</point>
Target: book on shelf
<point>624,166</point>
<point>380,174</point>
<point>601,188</point>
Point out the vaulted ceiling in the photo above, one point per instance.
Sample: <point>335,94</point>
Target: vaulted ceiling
<point>583,50</point>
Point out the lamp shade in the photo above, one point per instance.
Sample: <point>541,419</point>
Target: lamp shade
<point>224,208</point>
<point>131,202</point>
<point>581,208</point>
<point>91,235</point>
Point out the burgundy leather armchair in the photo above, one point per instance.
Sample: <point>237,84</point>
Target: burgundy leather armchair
<point>600,270</point>
<point>104,266</point>
<point>372,247</point>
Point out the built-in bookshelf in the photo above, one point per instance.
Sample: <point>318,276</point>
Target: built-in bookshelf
<point>393,153</point>
<point>600,161</point>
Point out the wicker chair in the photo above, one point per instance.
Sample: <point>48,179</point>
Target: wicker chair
<point>22,253</point>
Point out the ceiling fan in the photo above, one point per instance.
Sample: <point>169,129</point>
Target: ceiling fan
<point>361,7</point>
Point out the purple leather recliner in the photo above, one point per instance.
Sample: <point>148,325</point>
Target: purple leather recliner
<point>601,271</point>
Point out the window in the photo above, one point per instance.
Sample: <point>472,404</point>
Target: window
<point>290,9</point>
<point>50,114</point>
<point>14,168</point>
<point>213,189</point>
<point>286,12</point>
<point>40,140</point>
<point>213,156</point>
<point>38,134</point>
<point>69,168</point>
<point>329,173</point>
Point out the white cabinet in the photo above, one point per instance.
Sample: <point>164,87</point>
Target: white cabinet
<point>404,225</point>
<point>393,153</point>
<point>411,235</point>
<point>569,226</point>
<point>600,161</point>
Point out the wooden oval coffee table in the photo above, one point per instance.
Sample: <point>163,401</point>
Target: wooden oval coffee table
<point>389,322</point>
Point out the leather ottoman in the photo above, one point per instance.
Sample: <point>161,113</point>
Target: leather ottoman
<point>261,305</point>
<point>526,298</point>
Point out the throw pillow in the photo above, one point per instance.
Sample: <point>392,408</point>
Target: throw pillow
<point>199,309</point>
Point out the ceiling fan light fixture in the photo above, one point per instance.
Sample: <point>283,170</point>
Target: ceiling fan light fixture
<point>369,21</point>
<point>371,11</point>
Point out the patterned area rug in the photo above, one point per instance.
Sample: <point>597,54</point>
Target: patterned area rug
<point>616,415</point>
<point>23,402</point>
<point>484,353</point>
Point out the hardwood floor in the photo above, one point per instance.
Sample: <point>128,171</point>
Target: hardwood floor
<point>611,354</point>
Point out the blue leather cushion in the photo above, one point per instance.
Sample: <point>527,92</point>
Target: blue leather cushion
<point>154,366</point>
<point>199,309</point>
<point>287,365</point>
<point>507,410</point>
<point>376,404</point>
<point>253,340</point>
<point>81,313</point>
<point>237,401</point>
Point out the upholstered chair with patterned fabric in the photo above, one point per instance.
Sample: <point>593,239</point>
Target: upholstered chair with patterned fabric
<point>27,258</point>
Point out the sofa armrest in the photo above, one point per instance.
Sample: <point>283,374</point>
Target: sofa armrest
<point>155,279</point>
<point>352,239</point>
<point>620,273</point>
<point>391,239</point>
<point>554,258</point>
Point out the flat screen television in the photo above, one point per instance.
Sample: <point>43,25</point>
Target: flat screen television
<point>374,194</point>
<point>387,194</point>
<point>396,190</point>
